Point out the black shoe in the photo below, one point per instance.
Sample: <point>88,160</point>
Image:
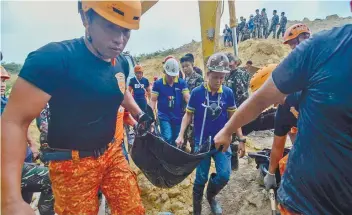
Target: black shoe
<point>212,191</point>
<point>197,199</point>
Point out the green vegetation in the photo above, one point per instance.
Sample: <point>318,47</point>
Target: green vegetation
<point>160,53</point>
<point>13,68</point>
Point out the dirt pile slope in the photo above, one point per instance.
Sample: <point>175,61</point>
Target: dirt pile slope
<point>261,52</point>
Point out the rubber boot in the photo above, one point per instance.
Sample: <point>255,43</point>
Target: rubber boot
<point>212,191</point>
<point>234,157</point>
<point>197,199</point>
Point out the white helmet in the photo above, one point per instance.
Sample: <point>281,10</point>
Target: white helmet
<point>171,67</point>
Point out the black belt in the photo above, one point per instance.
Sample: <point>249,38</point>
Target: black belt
<point>54,154</point>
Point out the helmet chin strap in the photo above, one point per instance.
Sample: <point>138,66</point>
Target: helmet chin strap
<point>88,42</point>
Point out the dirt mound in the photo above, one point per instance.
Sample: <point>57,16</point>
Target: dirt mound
<point>332,17</point>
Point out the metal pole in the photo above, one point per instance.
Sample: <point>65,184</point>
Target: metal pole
<point>235,45</point>
<point>233,24</point>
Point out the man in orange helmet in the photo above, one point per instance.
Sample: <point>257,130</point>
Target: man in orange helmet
<point>84,81</point>
<point>140,88</point>
<point>317,179</point>
<point>296,34</point>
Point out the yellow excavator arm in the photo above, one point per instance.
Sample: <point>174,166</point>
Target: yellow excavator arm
<point>210,13</point>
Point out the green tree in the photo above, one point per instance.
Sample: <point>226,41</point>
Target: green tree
<point>13,68</point>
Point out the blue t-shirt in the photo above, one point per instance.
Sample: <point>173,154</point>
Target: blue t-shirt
<point>284,118</point>
<point>3,103</point>
<point>85,93</point>
<point>139,89</point>
<point>170,99</point>
<point>197,105</point>
<point>318,178</point>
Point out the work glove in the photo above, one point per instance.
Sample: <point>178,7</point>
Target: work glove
<point>144,122</point>
<point>270,181</point>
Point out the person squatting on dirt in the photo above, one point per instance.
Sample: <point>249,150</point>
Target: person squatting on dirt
<point>257,24</point>
<point>140,88</point>
<point>167,96</point>
<point>265,22</point>
<point>317,179</point>
<point>87,74</point>
<point>34,178</point>
<point>273,25</point>
<point>282,28</point>
<point>211,105</point>
<point>193,80</point>
<point>287,112</point>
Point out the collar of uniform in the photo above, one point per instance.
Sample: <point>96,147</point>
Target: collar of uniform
<point>209,90</point>
<point>164,80</point>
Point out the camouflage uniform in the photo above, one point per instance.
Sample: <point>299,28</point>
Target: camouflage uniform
<point>193,81</point>
<point>42,124</point>
<point>274,23</point>
<point>36,179</point>
<point>246,33</point>
<point>241,28</point>
<point>257,26</point>
<point>238,80</point>
<point>282,29</point>
<point>265,24</point>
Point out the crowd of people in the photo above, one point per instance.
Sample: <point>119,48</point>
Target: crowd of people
<point>78,92</point>
<point>257,27</point>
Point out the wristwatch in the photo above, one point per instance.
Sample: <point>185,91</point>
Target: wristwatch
<point>242,140</point>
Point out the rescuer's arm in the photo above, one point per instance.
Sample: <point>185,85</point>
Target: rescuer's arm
<point>153,100</point>
<point>148,93</point>
<point>276,152</point>
<point>25,103</point>
<point>186,96</point>
<point>186,120</point>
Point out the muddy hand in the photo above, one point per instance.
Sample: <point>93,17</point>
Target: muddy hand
<point>241,149</point>
<point>179,141</point>
<point>222,139</point>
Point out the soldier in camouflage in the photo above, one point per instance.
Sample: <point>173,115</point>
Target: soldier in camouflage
<point>193,80</point>
<point>238,80</point>
<point>240,28</point>
<point>36,179</point>
<point>274,23</point>
<point>265,22</point>
<point>283,22</point>
<point>257,24</point>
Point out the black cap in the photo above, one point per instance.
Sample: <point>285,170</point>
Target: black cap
<point>257,10</point>
<point>263,9</point>
<point>275,11</point>
<point>282,13</point>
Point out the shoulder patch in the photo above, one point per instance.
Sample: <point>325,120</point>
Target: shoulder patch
<point>120,78</point>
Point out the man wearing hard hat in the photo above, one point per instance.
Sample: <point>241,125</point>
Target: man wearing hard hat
<point>84,81</point>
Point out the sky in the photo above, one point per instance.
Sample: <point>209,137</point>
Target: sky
<point>28,25</point>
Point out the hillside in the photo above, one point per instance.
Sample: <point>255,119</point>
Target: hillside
<point>261,51</point>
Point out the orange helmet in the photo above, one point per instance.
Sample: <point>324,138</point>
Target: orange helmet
<point>123,13</point>
<point>138,68</point>
<point>294,31</point>
<point>4,73</point>
<point>261,76</point>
